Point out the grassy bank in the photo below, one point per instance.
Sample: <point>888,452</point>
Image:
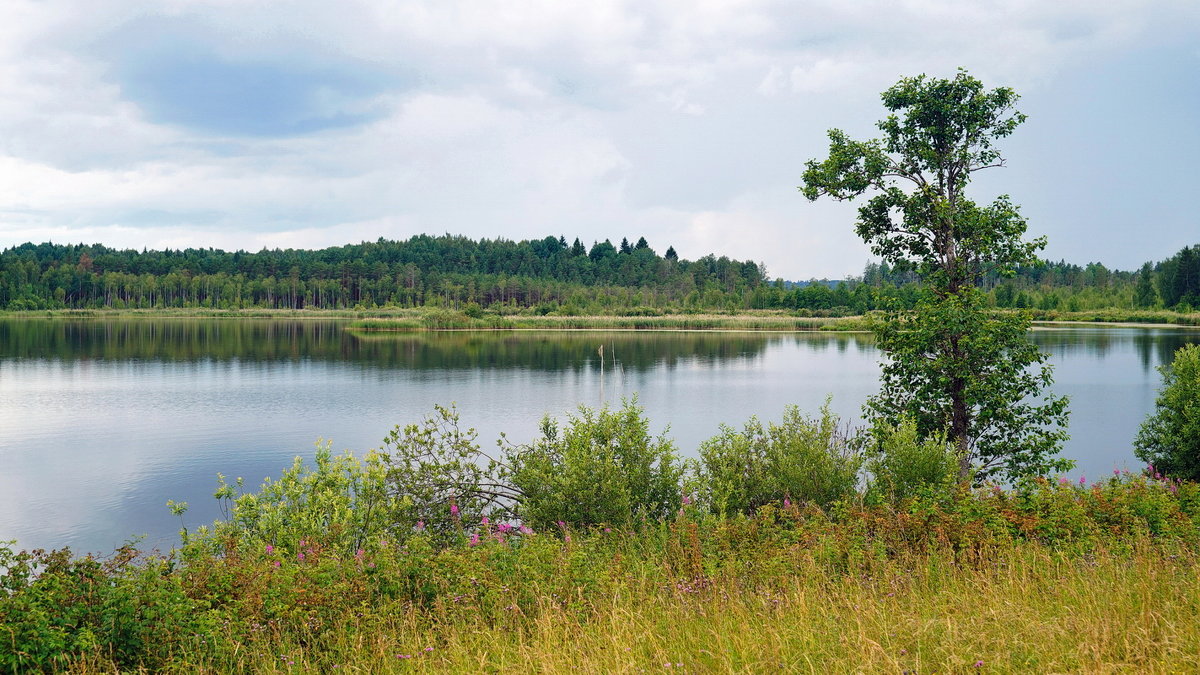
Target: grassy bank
<point>402,319</point>
<point>763,321</point>
<point>1120,316</point>
<point>1051,577</point>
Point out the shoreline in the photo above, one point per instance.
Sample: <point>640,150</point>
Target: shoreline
<point>385,320</point>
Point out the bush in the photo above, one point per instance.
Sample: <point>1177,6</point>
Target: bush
<point>805,459</point>
<point>905,466</point>
<point>342,497</point>
<point>1169,439</point>
<point>440,470</point>
<point>604,467</point>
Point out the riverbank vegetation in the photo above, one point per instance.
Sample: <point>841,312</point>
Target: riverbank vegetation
<point>790,546</point>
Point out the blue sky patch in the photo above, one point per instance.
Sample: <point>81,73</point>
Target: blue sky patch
<point>206,92</point>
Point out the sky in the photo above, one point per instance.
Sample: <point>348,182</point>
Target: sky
<point>244,124</point>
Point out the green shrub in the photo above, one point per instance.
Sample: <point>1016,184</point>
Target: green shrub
<point>905,466</point>
<point>343,498</point>
<point>439,469</point>
<point>804,459</point>
<point>603,467</point>
<point>1169,439</point>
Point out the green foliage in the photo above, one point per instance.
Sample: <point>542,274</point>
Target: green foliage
<point>1169,439</point>
<point>952,367</point>
<point>341,497</point>
<point>904,465</point>
<point>603,467</point>
<point>802,459</point>
<point>438,468</point>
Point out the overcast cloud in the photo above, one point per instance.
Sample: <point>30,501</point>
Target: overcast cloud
<point>236,124</point>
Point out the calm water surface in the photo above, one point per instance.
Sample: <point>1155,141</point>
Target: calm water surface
<point>101,422</point>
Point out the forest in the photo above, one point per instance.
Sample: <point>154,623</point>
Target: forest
<point>537,276</point>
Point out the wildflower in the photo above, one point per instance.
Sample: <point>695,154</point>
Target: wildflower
<point>270,549</point>
<point>299,556</point>
<point>277,563</point>
<point>484,521</point>
<point>562,524</point>
<point>979,663</point>
<point>1082,481</point>
<point>475,539</point>
<point>358,555</point>
<point>686,499</point>
<point>1116,472</point>
<point>453,509</point>
<point>429,649</point>
<point>787,503</point>
<point>504,528</point>
<point>608,529</point>
<point>1063,481</point>
<point>525,529</point>
<point>420,526</point>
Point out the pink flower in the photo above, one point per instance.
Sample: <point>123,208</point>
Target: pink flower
<point>562,524</point>
<point>504,528</point>
<point>787,503</point>
<point>299,556</point>
<point>358,555</point>
<point>1063,481</point>
<point>979,663</point>
<point>454,509</point>
<point>277,563</point>
<point>475,539</point>
<point>1082,481</point>
<point>270,549</point>
<point>484,521</point>
<point>420,526</point>
<point>686,499</point>
<point>525,529</point>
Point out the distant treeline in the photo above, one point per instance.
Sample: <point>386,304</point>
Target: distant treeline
<point>1171,284</point>
<point>543,276</point>
<point>448,270</point>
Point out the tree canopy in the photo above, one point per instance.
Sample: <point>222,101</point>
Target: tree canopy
<point>954,367</point>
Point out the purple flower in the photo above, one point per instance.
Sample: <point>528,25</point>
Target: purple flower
<point>504,528</point>
<point>420,526</point>
<point>787,503</point>
<point>270,549</point>
<point>562,524</point>
<point>454,509</point>
<point>277,563</point>
<point>1082,481</point>
<point>484,521</point>
<point>686,499</point>
<point>979,663</point>
<point>299,556</point>
<point>475,539</point>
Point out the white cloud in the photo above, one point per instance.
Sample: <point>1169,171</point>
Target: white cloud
<point>679,121</point>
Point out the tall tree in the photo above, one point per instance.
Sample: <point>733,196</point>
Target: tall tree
<point>953,366</point>
<point>1143,293</point>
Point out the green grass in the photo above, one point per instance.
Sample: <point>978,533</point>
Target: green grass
<point>1139,316</point>
<point>758,321</point>
<point>1050,578</point>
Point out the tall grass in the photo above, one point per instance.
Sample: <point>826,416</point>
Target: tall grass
<point>449,320</point>
<point>1052,577</point>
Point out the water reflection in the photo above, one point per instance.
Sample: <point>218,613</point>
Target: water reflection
<point>102,421</point>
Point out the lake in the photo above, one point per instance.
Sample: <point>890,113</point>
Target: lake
<point>102,421</point>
